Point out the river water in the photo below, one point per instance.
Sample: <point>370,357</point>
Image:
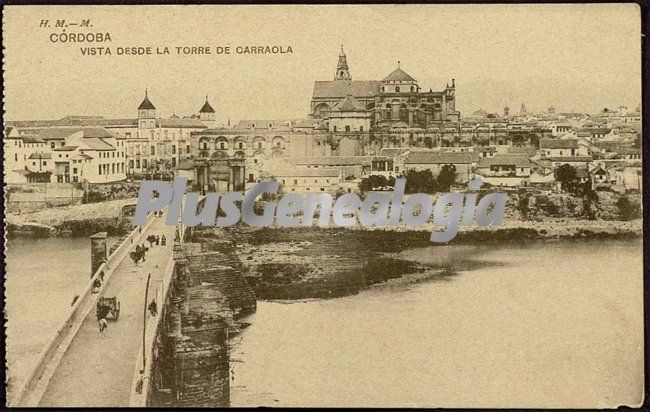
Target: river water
<point>546,323</point>
<point>42,277</point>
<point>555,324</point>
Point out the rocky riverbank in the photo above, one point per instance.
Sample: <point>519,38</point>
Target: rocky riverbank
<point>301,263</point>
<point>75,220</point>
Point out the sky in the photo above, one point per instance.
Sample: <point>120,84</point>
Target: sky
<point>580,57</point>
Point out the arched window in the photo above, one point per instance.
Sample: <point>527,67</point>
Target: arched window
<point>383,89</point>
<point>396,89</point>
<point>347,128</point>
<point>412,88</point>
<point>222,145</point>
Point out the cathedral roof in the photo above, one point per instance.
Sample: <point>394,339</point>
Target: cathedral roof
<point>349,104</point>
<point>146,104</point>
<point>399,75</point>
<point>206,108</point>
<point>341,88</point>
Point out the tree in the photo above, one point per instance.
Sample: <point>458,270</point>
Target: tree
<point>589,199</point>
<point>374,182</point>
<point>566,175</point>
<point>628,210</point>
<point>420,181</point>
<point>523,204</point>
<point>446,178</point>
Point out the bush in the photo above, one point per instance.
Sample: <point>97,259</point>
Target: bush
<point>628,210</point>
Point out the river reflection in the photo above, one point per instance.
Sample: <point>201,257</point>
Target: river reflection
<point>546,323</point>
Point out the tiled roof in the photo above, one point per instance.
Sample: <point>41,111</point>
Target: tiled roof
<point>349,104</point>
<point>487,149</point>
<point>392,151</point>
<point>181,123</point>
<point>30,139</point>
<point>65,149</point>
<point>96,143</point>
<point>40,156</point>
<point>206,108</point>
<point>75,121</point>
<point>558,144</point>
<point>427,157</point>
<point>146,104</point>
<point>569,159</point>
<point>505,160</point>
<point>398,75</point>
<point>341,88</point>
<point>527,150</point>
<point>54,133</point>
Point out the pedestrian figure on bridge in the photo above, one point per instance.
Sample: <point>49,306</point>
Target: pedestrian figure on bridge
<point>96,285</point>
<point>153,308</point>
<point>103,324</point>
<point>163,240</point>
<point>157,240</point>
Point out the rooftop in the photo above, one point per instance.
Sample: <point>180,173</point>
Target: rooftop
<point>146,103</point>
<point>505,160</point>
<point>206,107</point>
<point>431,157</point>
<point>341,88</point>
<point>558,144</point>
<point>399,75</point>
<point>349,104</point>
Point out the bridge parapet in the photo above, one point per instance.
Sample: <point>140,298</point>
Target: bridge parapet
<point>33,387</point>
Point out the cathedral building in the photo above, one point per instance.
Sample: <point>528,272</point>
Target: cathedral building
<point>396,101</point>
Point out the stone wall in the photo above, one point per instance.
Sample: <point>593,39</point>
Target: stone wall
<point>192,364</point>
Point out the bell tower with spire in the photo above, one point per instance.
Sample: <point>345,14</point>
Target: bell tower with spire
<point>207,114</point>
<point>342,70</point>
<point>146,113</point>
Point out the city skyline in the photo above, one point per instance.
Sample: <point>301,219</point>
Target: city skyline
<point>497,61</point>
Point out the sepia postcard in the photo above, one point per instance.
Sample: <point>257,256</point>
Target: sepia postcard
<point>323,205</point>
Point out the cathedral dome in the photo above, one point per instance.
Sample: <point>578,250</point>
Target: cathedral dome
<point>399,75</point>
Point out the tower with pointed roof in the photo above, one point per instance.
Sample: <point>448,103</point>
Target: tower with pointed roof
<point>207,114</point>
<point>342,70</point>
<point>146,113</point>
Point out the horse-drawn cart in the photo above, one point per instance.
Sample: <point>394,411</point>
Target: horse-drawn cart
<point>107,306</point>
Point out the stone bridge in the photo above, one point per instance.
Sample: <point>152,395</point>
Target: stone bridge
<point>136,363</point>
